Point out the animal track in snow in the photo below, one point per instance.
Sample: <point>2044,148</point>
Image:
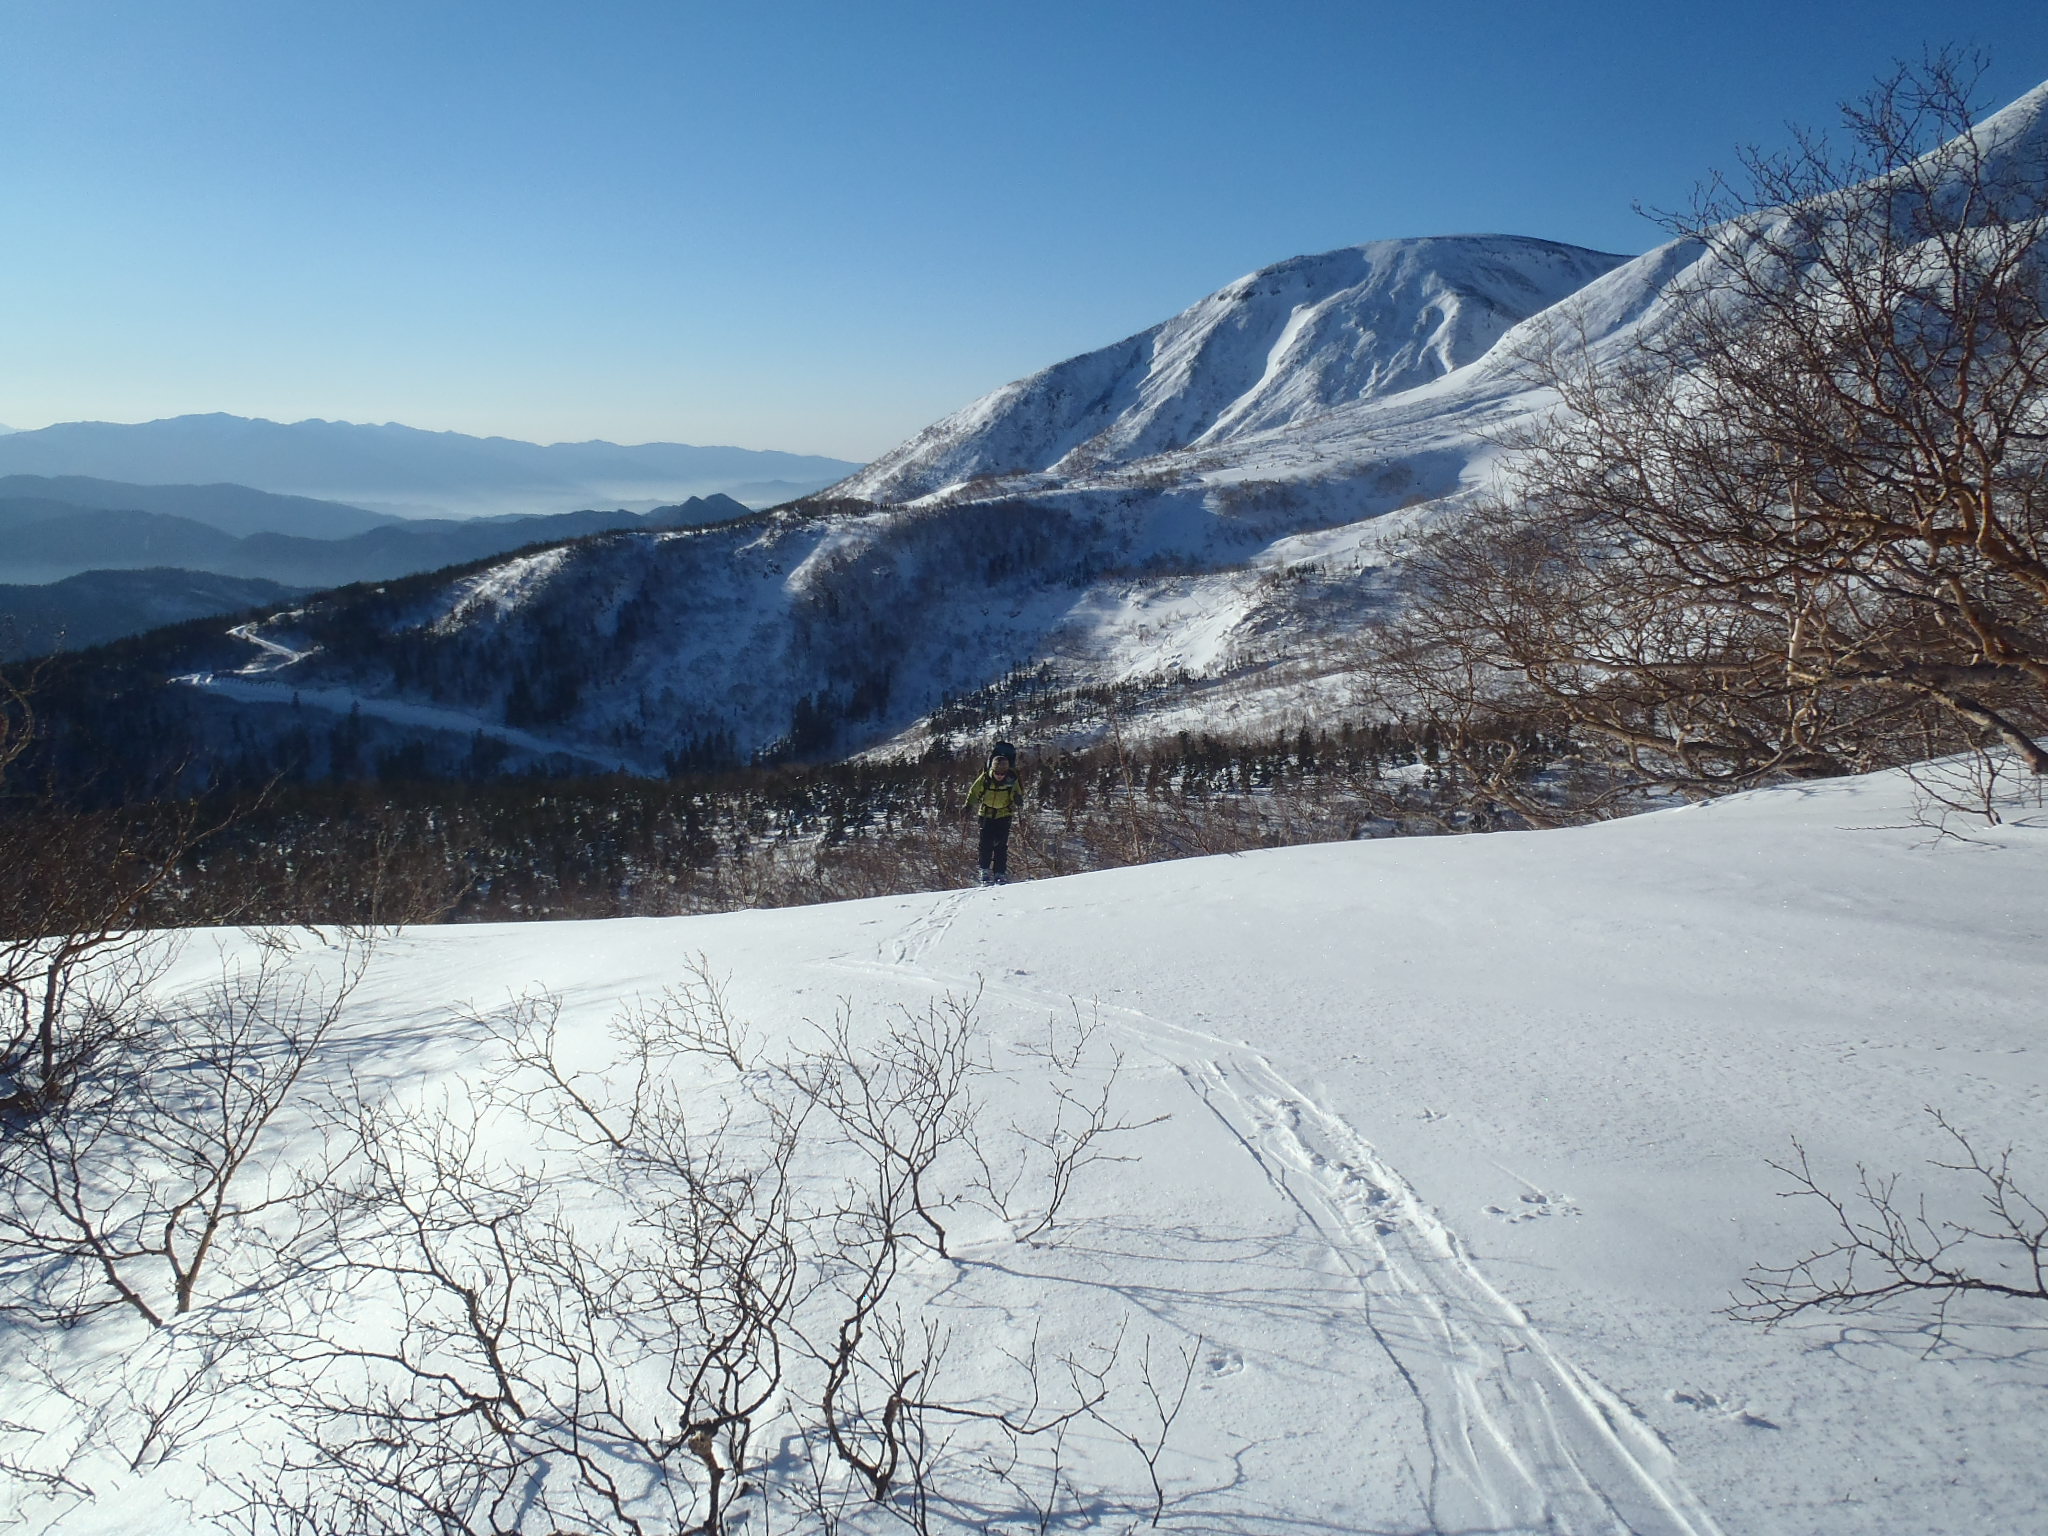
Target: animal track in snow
<point>1222,1363</point>
<point>1719,1407</point>
<point>1533,1205</point>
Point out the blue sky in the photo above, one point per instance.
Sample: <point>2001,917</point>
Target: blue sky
<point>814,226</point>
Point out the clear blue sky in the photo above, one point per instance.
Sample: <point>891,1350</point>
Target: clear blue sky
<point>808,224</point>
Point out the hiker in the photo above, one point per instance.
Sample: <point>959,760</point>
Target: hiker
<point>994,797</point>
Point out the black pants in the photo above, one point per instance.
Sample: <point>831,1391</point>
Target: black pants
<point>995,847</point>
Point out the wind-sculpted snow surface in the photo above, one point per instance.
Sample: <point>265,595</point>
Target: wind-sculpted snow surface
<point>1347,1061</point>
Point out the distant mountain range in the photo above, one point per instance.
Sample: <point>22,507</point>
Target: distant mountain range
<point>235,509</point>
<point>45,539</point>
<point>116,561</point>
<point>402,470</point>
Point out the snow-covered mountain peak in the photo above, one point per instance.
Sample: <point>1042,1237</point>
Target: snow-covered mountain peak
<point>1365,322</point>
<point>1279,345</point>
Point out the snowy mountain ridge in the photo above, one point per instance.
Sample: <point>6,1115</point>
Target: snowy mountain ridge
<point>840,623</point>
<point>1271,350</point>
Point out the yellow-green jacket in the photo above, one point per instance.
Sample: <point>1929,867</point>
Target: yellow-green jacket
<point>992,799</point>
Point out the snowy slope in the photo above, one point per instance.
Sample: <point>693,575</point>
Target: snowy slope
<point>1466,1152</point>
<point>1271,350</point>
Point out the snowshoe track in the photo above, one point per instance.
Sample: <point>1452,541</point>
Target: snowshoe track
<point>1521,1440</point>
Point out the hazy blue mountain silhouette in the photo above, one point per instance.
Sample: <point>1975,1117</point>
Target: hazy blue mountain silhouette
<point>98,606</point>
<point>235,509</point>
<point>395,467</point>
<point>45,540</point>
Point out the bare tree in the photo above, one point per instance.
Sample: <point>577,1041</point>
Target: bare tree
<point>1801,526</point>
<point>1886,1247</point>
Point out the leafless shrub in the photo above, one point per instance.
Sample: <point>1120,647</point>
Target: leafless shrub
<point>1980,789</point>
<point>1165,1393</point>
<point>73,965</point>
<point>77,956</point>
<point>537,1362</point>
<point>1887,1247</point>
<point>154,1190</point>
<point>693,1017</point>
<point>904,1103</point>
<point>139,1130</point>
<point>156,1167</point>
<point>540,1366</point>
<point>1051,1155</point>
<point>1043,1486</point>
<point>22,1462</point>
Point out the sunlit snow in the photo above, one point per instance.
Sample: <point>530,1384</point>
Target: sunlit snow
<point>1465,1151</point>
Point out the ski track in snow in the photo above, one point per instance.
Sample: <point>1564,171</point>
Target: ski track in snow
<point>1520,1439</point>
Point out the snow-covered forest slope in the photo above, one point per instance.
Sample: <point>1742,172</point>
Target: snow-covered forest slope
<point>1054,527</point>
<point>1454,1152</point>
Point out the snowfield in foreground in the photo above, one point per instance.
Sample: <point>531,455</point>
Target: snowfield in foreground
<point>1463,1153</point>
